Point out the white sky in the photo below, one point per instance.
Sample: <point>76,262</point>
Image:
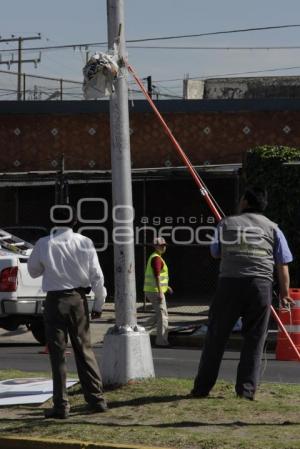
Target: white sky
<point>75,21</point>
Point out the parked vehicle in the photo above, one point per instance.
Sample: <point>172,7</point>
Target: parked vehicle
<point>21,296</point>
<point>28,233</point>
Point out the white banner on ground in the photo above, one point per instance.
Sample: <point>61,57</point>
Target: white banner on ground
<point>27,390</point>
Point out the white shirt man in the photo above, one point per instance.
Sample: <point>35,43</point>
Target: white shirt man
<point>69,265</point>
<point>68,260</point>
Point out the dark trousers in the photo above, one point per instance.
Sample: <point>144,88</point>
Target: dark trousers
<point>67,313</point>
<point>251,299</point>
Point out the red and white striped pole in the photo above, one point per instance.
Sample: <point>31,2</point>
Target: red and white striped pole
<point>199,182</point>
<point>178,148</point>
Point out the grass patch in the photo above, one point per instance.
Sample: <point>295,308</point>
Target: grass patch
<point>159,412</point>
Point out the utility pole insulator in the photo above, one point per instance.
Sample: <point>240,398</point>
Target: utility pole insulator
<point>20,61</point>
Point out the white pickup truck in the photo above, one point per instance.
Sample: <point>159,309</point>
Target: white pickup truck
<point>21,297</point>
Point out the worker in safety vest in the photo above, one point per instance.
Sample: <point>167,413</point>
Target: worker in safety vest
<point>155,286</point>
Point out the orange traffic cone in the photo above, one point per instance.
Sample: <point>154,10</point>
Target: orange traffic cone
<point>290,318</point>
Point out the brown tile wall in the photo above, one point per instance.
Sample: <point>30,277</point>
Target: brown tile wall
<point>217,137</point>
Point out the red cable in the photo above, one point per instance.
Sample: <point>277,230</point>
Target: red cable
<point>196,177</point>
<point>200,184</point>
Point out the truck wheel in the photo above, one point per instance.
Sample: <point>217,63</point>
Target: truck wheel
<point>38,331</point>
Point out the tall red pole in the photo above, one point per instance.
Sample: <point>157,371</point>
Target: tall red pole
<point>178,148</point>
<point>200,183</point>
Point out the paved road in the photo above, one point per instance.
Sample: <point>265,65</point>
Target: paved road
<point>175,362</point>
<point>184,363</point>
<point>19,351</point>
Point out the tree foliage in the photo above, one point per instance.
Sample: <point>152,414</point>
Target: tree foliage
<point>269,166</point>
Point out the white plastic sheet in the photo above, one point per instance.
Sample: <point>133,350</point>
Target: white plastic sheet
<point>99,74</point>
<point>27,390</point>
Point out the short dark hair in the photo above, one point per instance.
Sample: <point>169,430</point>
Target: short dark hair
<point>257,198</point>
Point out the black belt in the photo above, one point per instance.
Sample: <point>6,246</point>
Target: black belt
<point>85,290</point>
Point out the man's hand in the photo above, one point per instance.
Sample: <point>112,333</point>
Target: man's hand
<point>170,290</point>
<point>95,315</point>
<point>286,301</point>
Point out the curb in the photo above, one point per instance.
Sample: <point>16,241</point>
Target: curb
<point>39,443</point>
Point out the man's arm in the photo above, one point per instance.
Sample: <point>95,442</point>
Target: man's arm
<point>157,265</point>
<point>160,292</point>
<point>284,284</point>
<point>34,264</point>
<point>282,256</point>
<point>97,283</point>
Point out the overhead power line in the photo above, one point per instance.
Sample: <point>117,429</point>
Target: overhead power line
<point>249,72</point>
<point>159,47</point>
<point>207,76</point>
<point>148,39</point>
<point>214,33</point>
<point>10,72</point>
<point>194,77</point>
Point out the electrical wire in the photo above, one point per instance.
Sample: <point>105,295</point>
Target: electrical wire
<point>207,76</point>
<point>41,77</point>
<point>222,48</point>
<point>159,93</point>
<point>148,39</point>
<point>215,33</point>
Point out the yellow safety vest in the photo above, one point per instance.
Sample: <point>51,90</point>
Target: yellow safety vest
<point>150,282</point>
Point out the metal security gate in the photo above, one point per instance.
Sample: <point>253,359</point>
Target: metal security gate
<point>165,200</point>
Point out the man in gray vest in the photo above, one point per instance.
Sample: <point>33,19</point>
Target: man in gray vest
<point>249,245</point>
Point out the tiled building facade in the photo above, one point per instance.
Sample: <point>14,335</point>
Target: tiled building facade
<point>34,135</point>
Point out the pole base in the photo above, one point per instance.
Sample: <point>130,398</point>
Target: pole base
<point>127,355</point>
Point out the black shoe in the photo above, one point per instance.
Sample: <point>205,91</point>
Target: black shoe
<point>98,407</point>
<point>244,396</point>
<point>198,394</point>
<point>56,414</point>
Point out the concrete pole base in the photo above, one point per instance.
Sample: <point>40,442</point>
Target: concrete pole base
<point>127,355</point>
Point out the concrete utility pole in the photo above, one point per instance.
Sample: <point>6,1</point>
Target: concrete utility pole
<point>127,351</point>
<point>19,61</point>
